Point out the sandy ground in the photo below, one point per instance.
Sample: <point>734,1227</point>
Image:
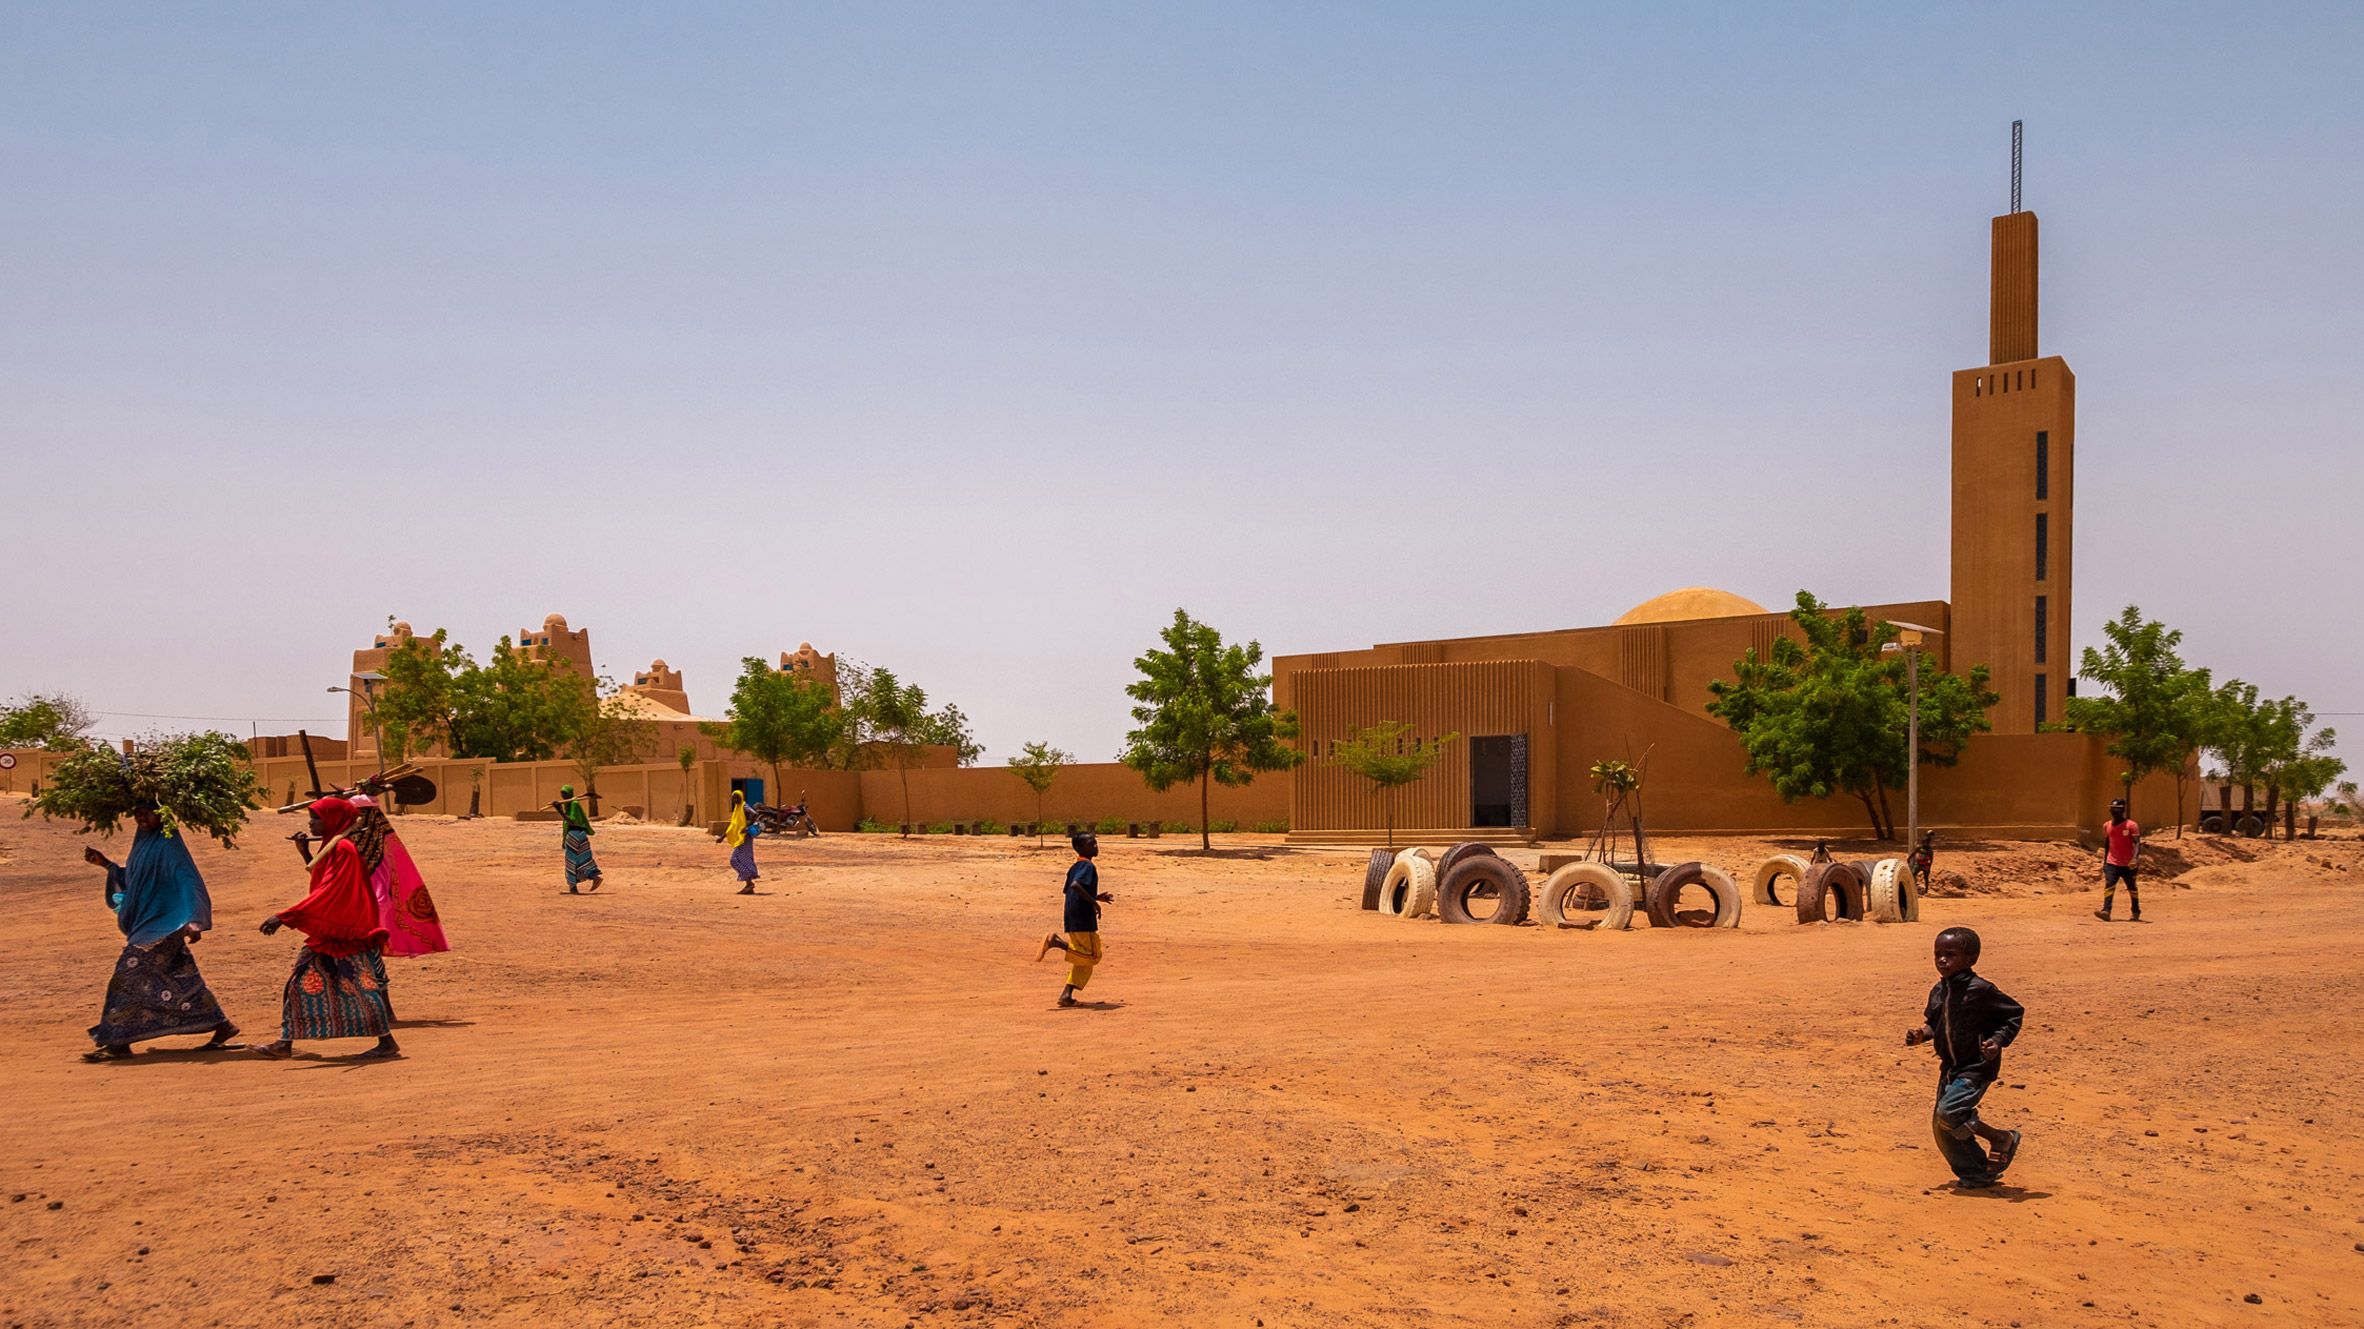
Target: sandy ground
<point>849,1101</point>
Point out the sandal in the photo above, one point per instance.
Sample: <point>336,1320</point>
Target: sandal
<point>112,1052</point>
<point>2001,1158</point>
<point>380,1053</point>
<point>220,1042</point>
<point>279,1051</point>
<point>1048,943</point>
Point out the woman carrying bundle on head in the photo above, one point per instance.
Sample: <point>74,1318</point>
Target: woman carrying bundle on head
<point>740,836</point>
<point>162,907</point>
<point>335,990</point>
<point>576,836</point>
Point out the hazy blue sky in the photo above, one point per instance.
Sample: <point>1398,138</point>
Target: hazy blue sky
<point>974,339</point>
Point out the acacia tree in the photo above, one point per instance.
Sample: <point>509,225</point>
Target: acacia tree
<point>1205,714</point>
<point>1383,755</point>
<point>52,720</point>
<point>1829,715</point>
<point>1038,765</point>
<point>2157,714</point>
<point>780,718</point>
<point>892,717</point>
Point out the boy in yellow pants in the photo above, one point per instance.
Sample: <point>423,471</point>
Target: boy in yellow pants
<point>1082,942</point>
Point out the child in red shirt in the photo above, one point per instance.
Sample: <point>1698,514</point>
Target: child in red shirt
<point>2124,836</point>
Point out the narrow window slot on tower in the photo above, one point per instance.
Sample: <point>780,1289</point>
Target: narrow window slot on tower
<point>2043,544</point>
<point>2040,713</point>
<point>2043,465</point>
<point>2040,617</point>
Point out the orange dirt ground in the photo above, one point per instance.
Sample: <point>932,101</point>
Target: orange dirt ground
<point>849,1101</point>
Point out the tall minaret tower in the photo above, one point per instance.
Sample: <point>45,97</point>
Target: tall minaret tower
<point>2014,523</point>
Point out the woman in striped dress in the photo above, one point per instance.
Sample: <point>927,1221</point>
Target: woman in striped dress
<point>334,991</point>
<point>576,837</point>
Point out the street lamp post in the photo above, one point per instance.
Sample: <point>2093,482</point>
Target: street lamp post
<point>369,702</point>
<point>1909,637</point>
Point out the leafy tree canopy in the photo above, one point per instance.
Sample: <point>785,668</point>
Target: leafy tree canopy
<point>2156,712</point>
<point>1205,713</point>
<point>52,720</point>
<point>1386,755</point>
<point>1828,715</point>
<point>511,708</point>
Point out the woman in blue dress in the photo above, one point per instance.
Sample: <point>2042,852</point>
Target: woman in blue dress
<point>161,905</point>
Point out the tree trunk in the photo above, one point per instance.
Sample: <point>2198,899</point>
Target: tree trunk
<point>591,789</point>
<point>1391,818</point>
<point>1205,779</point>
<point>2179,779</point>
<point>1038,819</point>
<point>2273,801</point>
<point>1871,813</point>
<point>904,769</point>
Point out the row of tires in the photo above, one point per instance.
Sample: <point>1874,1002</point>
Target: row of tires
<point>1455,884</point>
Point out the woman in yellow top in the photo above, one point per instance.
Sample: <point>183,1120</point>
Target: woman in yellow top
<point>740,836</point>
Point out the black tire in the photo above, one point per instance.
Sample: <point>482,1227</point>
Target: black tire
<point>1846,882</point>
<point>1668,886</point>
<point>2252,825</point>
<point>2213,823</point>
<point>1454,855</point>
<point>1480,871</point>
<point>1375,876</point>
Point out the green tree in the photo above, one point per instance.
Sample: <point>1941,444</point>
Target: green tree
<point>202,780</point>
<point>416,704</point>
<point>2299,765</point>
<point>53,720</point>
<point>1205,714</point>
<point>1038,765</point>
<point>611,731</point>
<point>891,717</point>
<point>1829,715</point>
<point>2158,712</point>
<point>512,708</point>
<point>1385,756</point>
<point>780,718</point>
<point>687,756</point>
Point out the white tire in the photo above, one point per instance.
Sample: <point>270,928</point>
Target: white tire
<point>1890,898</point>
<point>1410,888</point>
<point>1563,901</point>
<point>1772,870</point>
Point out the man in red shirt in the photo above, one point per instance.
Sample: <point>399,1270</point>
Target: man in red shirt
<point>2124,836</point>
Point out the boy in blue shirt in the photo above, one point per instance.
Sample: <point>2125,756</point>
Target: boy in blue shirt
<point>1084,898</point>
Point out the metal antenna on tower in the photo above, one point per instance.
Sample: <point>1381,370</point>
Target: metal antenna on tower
<point>2015,165</point>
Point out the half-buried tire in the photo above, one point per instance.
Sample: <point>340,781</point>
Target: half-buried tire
<point>1586,895</point>
<point>1375,876</point>
<point>1453,856</point>
<point>1842,884</point>
<point>1482,876</point>
<point>1409,890</point>
<point>1765,890</point>
<point>1890,895</point>
<point>1666,892</point>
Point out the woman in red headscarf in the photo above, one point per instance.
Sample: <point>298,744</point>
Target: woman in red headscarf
<point>334,991</point>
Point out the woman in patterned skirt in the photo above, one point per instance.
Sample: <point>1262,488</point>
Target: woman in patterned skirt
<point>161,905</point>
<point>740,836</point>
<point>334,991</point>
<point>576,837</point>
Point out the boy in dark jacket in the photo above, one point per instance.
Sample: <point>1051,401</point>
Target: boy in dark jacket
<point>1082,918</point>
<point>1971,1022</point>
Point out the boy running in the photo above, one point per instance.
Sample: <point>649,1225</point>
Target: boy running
<point>1084,899</point>
<point>2117,861</point>
<point>1971,1021</point>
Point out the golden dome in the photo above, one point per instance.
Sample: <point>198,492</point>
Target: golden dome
<point>1690,602</point>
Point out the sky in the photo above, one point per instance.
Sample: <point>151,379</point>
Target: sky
<point>975,340</point>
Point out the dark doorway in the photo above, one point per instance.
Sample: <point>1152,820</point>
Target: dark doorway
<point>1497,780</point>
<point>753,789</point>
